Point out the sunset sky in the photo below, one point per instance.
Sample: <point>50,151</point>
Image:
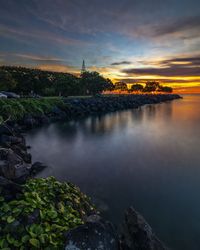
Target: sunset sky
<point>129,40</point>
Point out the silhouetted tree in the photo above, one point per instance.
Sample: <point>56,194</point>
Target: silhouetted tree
<point>137,87</point>
<point>93,83</point>
<point>121,86</point>
<point>151,86</point>
<point>165,89</point>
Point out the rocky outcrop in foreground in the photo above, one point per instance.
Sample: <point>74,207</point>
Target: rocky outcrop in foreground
<point>98,234</point>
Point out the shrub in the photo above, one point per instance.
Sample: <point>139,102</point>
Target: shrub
<point>52,206</point>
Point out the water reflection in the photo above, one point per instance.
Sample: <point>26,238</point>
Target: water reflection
<point>147,157</point>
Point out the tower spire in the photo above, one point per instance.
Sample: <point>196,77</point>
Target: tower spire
<point>83,67</point>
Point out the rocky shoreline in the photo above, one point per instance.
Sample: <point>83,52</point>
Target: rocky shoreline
<point>16,168</point>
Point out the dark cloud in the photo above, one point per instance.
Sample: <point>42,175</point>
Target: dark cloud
<point>167,71</point>
<point>121,63</point>
<point>183,24</point>
<point>183,66</point>
<point>180,66</point>
<point>164,80</point>
<point>191,61</point>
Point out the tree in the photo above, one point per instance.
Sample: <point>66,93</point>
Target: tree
<point>7,83</point>
<point>136,87</point>
<point>66,85</point>
<point>94,83</point>
<point>151,86</point>
<point>121,86</point>
<point>165,89</point>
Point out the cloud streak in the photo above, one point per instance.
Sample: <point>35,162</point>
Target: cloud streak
<point>121,63</point>
<point>183,24</point>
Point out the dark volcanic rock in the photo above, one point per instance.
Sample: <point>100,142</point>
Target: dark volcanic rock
<point>9,188</point>
<point>12,166</point>
<point>96,234</point>
<point>37,167</point>
<point>137,234</point>
<point>5,129</point>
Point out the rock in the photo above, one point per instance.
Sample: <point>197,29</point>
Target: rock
<point>34,217</point>
<point>29,122</point>
<point>9,188</point>
<point>37,167</point>
<point>13,167</point>
<point>96,234</point>
<point>8,139</point>
<point>21,150</point>
<point>5,129</point>
<point>137,234</point>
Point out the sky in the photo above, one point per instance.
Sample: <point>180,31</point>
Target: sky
<point>125,40</point>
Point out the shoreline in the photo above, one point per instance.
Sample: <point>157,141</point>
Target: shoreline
<point>17,166</point>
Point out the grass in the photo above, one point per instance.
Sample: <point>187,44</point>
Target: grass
<point>15,109</point>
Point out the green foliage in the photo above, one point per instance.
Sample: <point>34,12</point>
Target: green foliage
<point>15,109</point>
<point>93,83</point>
<point>6,80</point>
<point>40,216</point>
<point>25,81</point>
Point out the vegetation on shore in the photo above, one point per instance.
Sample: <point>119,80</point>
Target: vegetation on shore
<point>25,81</point>
<point>41,214</point>
<point>15,109</point>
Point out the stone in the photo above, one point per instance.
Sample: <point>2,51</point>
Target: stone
<point>37,167</point>
<point>5,129</point>
<point>13,167</point>
<point>137,233</point>
<point>94,235</point>
<point>9,188</point>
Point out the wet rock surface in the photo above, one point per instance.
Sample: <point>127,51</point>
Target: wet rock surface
<point>96,234</point>
<point>137,234</point>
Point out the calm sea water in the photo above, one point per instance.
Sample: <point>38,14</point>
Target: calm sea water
<point>148,158</point>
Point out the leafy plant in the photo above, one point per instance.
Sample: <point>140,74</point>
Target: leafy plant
<point>38,218</point>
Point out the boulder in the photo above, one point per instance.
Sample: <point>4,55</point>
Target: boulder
<point>94,234</point>
<point>29,122</point>
<point>9,139</point>
<point>12,166</point>
<point>9,189</point>
<point>5,129</point>
<point>37,167</point>
<point>137,234</point>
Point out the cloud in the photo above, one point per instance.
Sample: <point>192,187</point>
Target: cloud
<point>59,68</point>
<point>167,71</point>
<point>191,61</point>
<point>181,25</point>
<point>162,80</point>
<point>40,35</point>
<point>177,66</point>
<point>40,58</point>
<point>121,63</point>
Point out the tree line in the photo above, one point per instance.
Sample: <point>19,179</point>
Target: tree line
<point>25,81</point>
<point>150,86</point>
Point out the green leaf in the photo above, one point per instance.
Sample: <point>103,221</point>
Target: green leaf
<point>25,238</point>
<point>1,198</point>
<point>35,242</point>
<point>10,219</point>
<point>10,239</point>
